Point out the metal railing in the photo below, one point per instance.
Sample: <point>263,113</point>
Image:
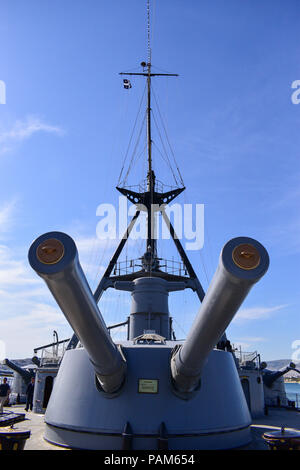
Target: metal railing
<point>245,358</point>
<point>159,187</point>
<point>167,266</point>
<point>53,355</point>
<point>293,397</point>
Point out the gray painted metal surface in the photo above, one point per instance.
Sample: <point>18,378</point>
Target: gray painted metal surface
<point>149,305</point>
<point>274,388</point>
<point>228,289</point>
<point>21,378</point>
<point>40,387</point>
<point>18,389</point>
<point>216,417</point>
<point>71,291</point>
<point>275,395</point>
<point>269,376</point>
<point>255,389</point>
<point>23,372</point>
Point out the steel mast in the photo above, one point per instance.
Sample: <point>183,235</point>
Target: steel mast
<point>151,242</point>
<point>148,198</point>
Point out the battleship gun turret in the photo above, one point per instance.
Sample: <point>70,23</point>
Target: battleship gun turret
<point>270,377</point>
<point>54,257</point>
<point>25,374</point>
<point>22,377</point>
<point>243,261</point>
<point>274,388</point>
<point>150,396</point>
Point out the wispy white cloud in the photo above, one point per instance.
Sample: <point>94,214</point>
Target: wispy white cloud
<point>28,313</point>
<point>253,339</point>
<point>247,342</point>
<point>257,313</point>
<point>87,244</point>
<point>7,211</point>
<point>286,235</point>
<point>30,328</point>
<point>28,316</point>
<point>244,346</point>
<point>13,271</point>
<point>24,129</point>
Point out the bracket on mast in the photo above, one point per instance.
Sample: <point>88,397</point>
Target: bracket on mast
<point>143,198</point>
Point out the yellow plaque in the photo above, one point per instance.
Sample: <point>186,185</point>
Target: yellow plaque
<point>148,386</point>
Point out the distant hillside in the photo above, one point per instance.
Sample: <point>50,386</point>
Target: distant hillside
<point>22,362</point>
<point>18,362</point>
<point>280,363</point>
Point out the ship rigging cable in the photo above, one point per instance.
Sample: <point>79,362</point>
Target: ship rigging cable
<point>164,148</point>
<point>130,140</point>
<point>167,137</point>
<point>134,151</point>
<point>166,153</point>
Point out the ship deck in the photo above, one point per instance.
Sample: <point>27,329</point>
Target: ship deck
<point>276,418</point>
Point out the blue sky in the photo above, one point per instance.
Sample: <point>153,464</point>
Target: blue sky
<point>66,124</point>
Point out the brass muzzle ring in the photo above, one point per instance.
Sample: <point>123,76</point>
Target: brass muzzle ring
<point>50,251</point>
<point>246,256</point>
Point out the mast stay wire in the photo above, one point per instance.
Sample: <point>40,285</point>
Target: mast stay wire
<point>204,267</point>
<point>162,155</point>
<point>119,123</point>
<point>167,137</point>
<point>134,151</point>
<point>209,249</point>
<point>130,140</point>
<point>166,159</point>
<point>162,143</point>
<point>148,32</point>
<point>94,248</point>
<point>134,161</point>
<point>153,19</point>
<point>104,252</point>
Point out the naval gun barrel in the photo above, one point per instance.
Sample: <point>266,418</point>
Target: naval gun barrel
<point>54,257</point>
<point>243,261</point>
<point>25,374</point>
<point>269,377</point>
